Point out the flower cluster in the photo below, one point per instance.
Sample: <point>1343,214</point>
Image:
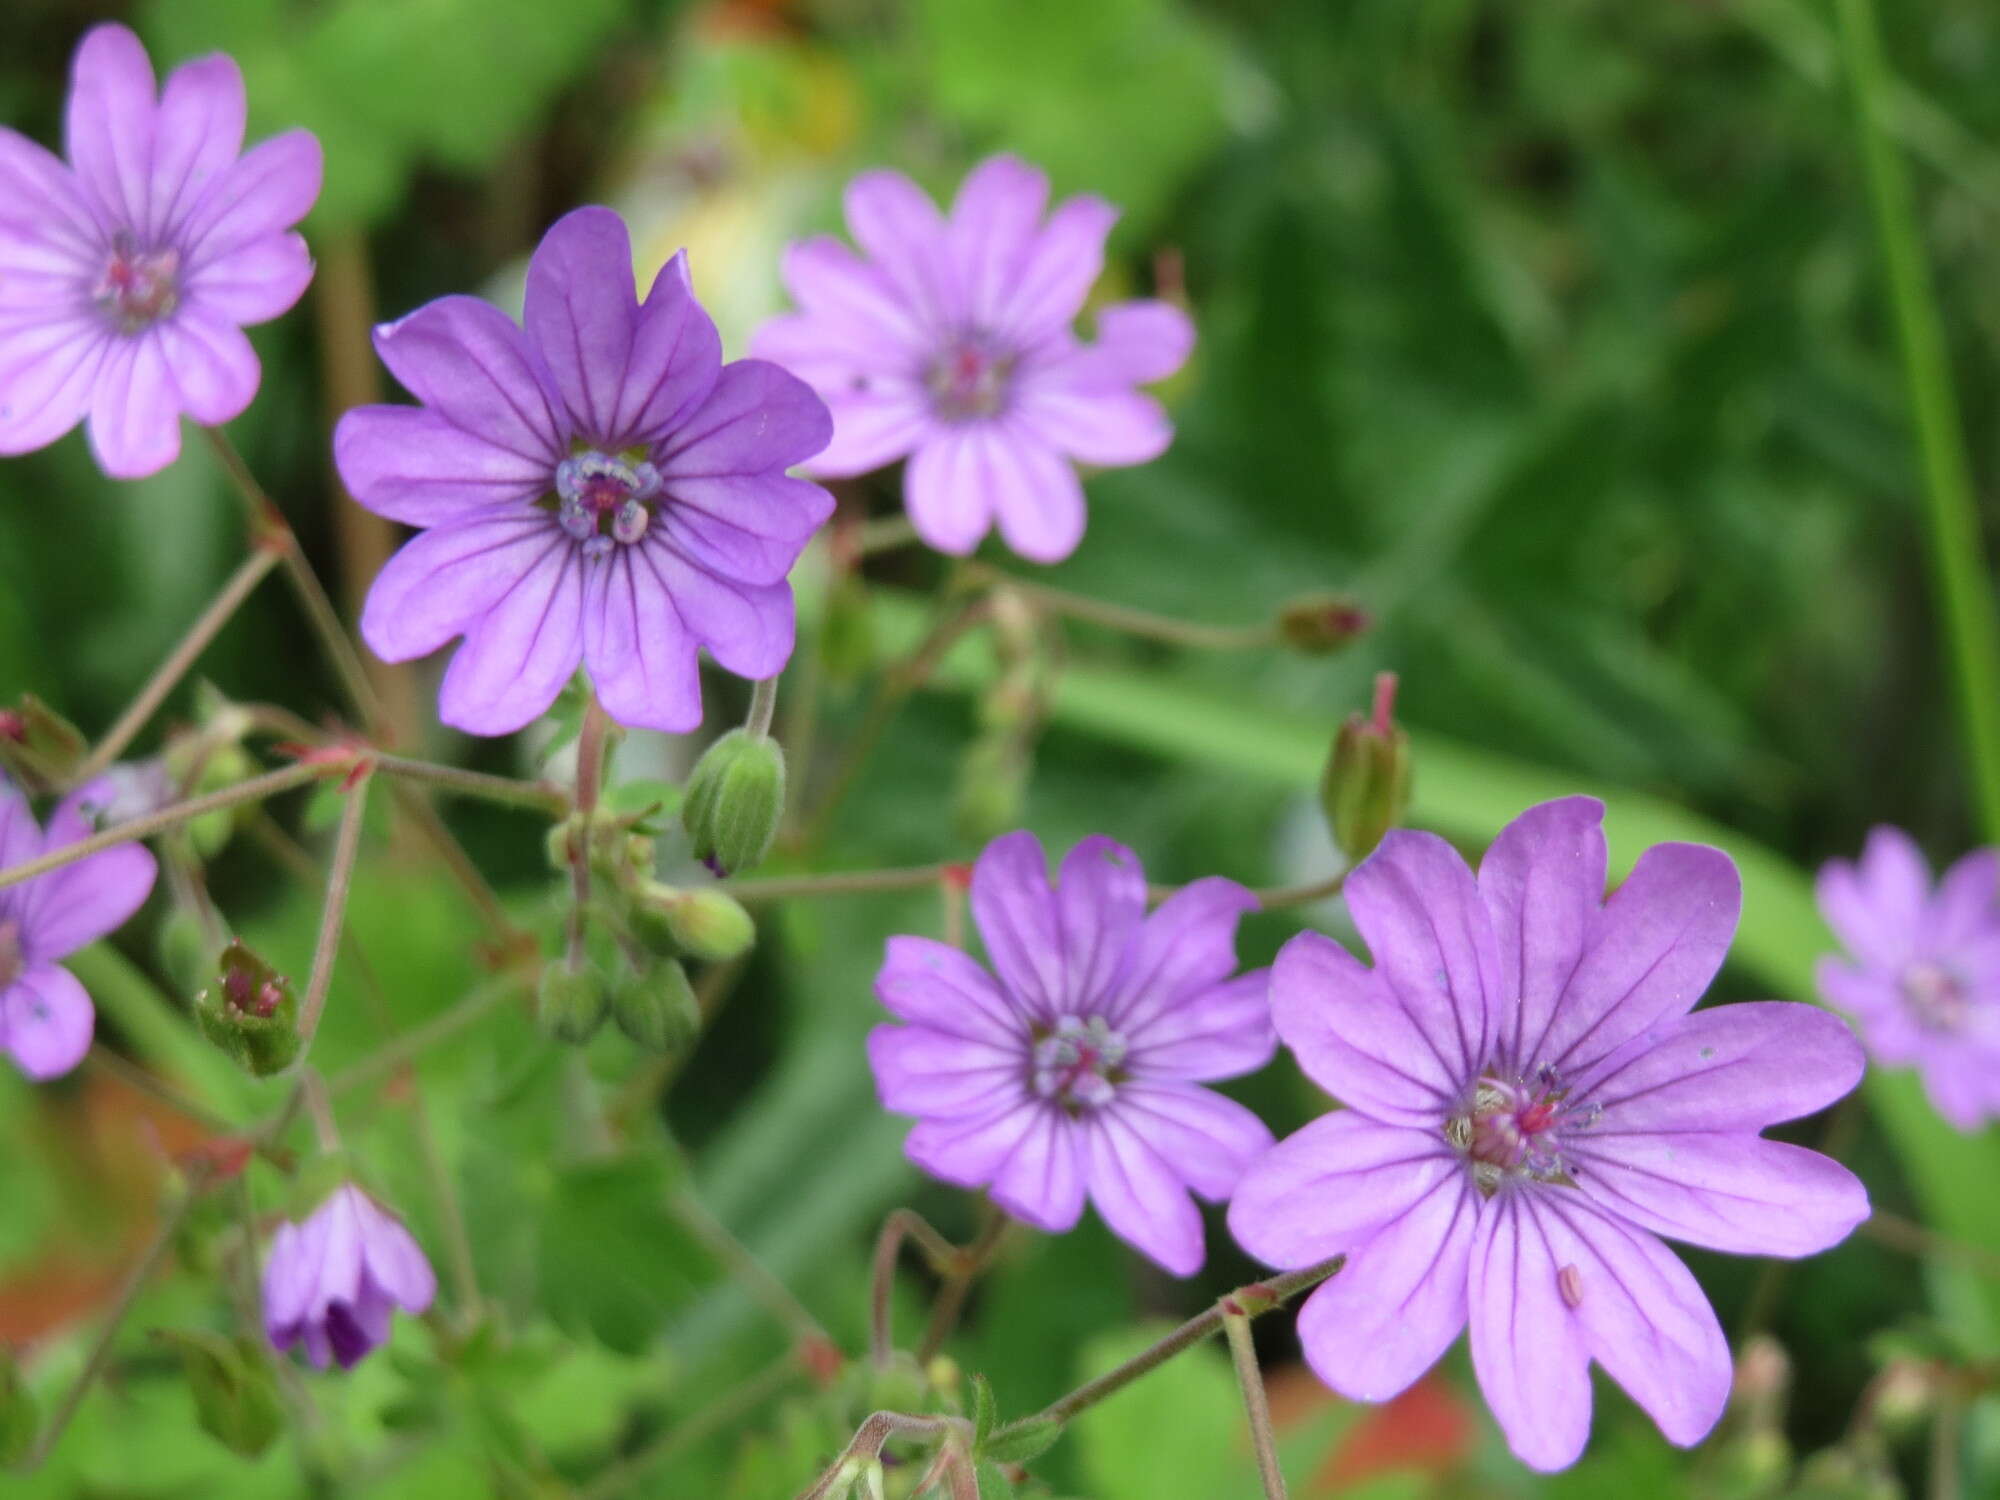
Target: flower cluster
<point>1924,985</point>
<point>333,1282</point>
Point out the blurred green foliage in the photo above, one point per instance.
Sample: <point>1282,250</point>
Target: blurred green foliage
<point>1550,333</point>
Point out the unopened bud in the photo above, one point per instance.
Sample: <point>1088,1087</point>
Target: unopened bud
<point>20,1421</point>
<point>249,1011</point>
<point>235,1394</point>
<point>658,1009</point>
<point>734,801</point>
<point>571,1003</point>
<point>1321,624</point>
<point>39,749</point>
<point>707,924</point>
<point>1367,781</point>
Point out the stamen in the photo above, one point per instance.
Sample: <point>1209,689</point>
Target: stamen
<point>1569,1281</point>
<point>138,288</point>
<point>1935,994</point>
<point>970,379</point>
<point>605,501</point>
<point>1517,1129</point>
<point>1076,1063</point>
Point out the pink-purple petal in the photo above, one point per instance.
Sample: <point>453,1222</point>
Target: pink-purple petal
<point>873,429</point>
<point>41,203</point>
<point>642,656</point>
<point>1354,1038</point>
<point>968,1149</point>
<point>76,905</point>
<point>1100,901</point>
<point>1652,952</point>
<point>467,361</point>
<point>1187,944</point>
<point>1141,342</point>
<point>919,1071</point>
<point>48,376</point>
<point>1209,1140</point>
<point>445,579</point>
<point>1223,1031</point>
<point>1543,881</point>
<point>750,527</point>
<point>135,418</point>
<point>1399,1301</point>
<point>852,297</point>
<point>256,281</point>
<point>197,136</point>
<point>1527,1350</point>
<point>411,465</point>
<point>1326,1188</point>
<point>1142,1198</point>
<point>1015,912</point>
<point>896,223</point>
<point>1106,427</point>
<point>1725,1190</point>
<point>935,985</point>
<point>1426,925</point>
<point>1965,908</point>
<point>1732,1067</point>
<point>747,627</point>
<point>519,654</point>
<point>758,419</point>
<point>947,487</point>
<point>1059,268</point>
<point>213,368</point>
<point>992,228</point>
<point>1034,494</point>
<point>269,189</point>
<point>109,126</point>
<point>1041,1179</point>
<point>46,1021</point>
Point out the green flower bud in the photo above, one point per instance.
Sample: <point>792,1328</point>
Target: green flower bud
<point>707,924</point>
<point>225,766</point>
<point>250,1012</point>
<point>39,748</point>
<point>571,1003</point>
<point>1367,780</point>
<point>564,840</point>
<point>658,1009</point>
<point>235,1394</point>
<point>20,1420</point>
<point>734,801</point>
<point>1321,624</point>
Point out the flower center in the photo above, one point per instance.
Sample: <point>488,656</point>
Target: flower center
<point>604,501</point>
<point>1516,1129</point>
<point>10,953</point>
<point>1936,996</point>
<point>1077,1062</point>
<point>138,287</point>
<point>969,379</point>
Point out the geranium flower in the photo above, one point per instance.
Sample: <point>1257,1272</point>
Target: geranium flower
<point>1073,1070</point>
<point>126,276</point>
<point>333,1282</point>
<point>1529,1106</point>
<point>1925,984</point>
<point>949,341</point>
<point>596,487</point>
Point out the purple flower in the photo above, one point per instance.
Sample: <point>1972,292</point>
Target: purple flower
<point>597,487</point>
<point>1076,1072</point>
<point>126,276</point>
<point>1529,1104</point>
<point>951,342</point>
<point>46,1019</point>
<point>332,1282</point>
<point>1925,986</point>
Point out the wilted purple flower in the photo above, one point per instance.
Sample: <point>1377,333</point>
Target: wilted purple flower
<point>332,1282</point>
<point>46,1019</point>
<point>1529,1104</point>
<point>598,487</point>
<point>1076,1073</point>
<point>126,276</point>
<point>949,340</point>
<point>1925,986</point>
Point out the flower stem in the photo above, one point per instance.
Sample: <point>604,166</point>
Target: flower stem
<point>256,789</point>
<point>590,744</point>
<point>1127,620</point>
<point>1258,1297</point>
<point>249,573</point>
<point>939,1253</point>
<point>1960,578</point>
<point>868,1442</point>
<point>333,916</point>
<point>837,883</point>
<point>723,1412</point>
<point>507,791</point>
<point>763,708</point>
<point>1256,1406</point>
<point>966,1267</point>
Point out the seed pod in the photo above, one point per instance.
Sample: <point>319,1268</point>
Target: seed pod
<point>571,1003</point>
<point>658,1009</point>
<point>1367,781</point>
<point>250,1012</point>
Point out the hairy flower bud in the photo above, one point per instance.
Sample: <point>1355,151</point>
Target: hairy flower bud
<point>658,1009</point>
<point>1321,624</point>
<point>39,749</point>
<point>734,800</point>
<point>250,1012</point>
<point>705,924</point>
<point>235,1393</point>
<point>1367,781</point>
<point>571,1003</point>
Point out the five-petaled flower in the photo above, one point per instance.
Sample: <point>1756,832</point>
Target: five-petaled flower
<point>126,276</point>
<point>1529,1104</point>
<point>951,343</point>
<point>1925,987</point>
<point>1074,1068</point>
<point>597,487</point>
<point>333,1282</point>
<point>46,1019</point>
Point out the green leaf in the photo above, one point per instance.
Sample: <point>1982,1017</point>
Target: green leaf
<point>613,1262</point>
<point>1017,1444</point>
<point>983,1412</point>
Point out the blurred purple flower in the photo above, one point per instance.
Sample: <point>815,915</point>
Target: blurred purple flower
<point>46,1019</point>
<point>1529,1105</point>
<point>1925,986</point>
<point>598,487</point>
<point>332,1282</point>
<point>1076,1073</point>
<point>949,340</point>
<point>126,276</point>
